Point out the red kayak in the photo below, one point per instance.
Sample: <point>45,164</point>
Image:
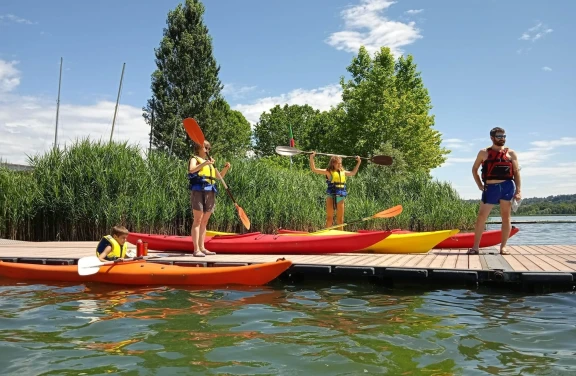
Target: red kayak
<point>465,239</point>
<point>258,243</point>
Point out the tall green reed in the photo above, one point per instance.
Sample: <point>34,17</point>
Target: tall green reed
<point>80,192</point>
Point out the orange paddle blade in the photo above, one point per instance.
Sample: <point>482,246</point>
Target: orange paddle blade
<point>389,213</point>
<point>193,130</point>
<point>243,217</point>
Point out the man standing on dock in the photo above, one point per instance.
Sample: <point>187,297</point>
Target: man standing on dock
<point>500,183</point>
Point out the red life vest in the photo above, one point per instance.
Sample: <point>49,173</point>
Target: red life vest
<point>497,166</point>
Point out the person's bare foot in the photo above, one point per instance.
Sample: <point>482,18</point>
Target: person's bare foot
<point>504,251</point>
<point>207,252</point>
<point>198,253</point>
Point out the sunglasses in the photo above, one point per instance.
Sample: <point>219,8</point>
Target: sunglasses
<point>500,136</point>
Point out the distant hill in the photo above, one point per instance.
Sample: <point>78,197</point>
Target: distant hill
<point>16,167</point>
<point>551,205</point>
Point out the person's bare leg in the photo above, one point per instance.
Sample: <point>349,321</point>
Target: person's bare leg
<point>203,226</point>
<point>505,213</point>
<point>329,211</point>
<point>198,215</point>
<point>483,214</point>
<point>340,214</point>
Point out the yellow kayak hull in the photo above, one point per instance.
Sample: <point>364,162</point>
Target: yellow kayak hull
<point>214,233</point>
<point>414,242</point>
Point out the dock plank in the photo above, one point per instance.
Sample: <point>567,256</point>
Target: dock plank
<point>474,262</point>
<point>414,260</point>
<point>516,264</point>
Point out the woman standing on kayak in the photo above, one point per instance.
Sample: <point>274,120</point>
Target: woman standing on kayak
<point>336,181</point>
<point>202,185</point>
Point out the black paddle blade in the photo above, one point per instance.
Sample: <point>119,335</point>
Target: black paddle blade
<point>383,160</point>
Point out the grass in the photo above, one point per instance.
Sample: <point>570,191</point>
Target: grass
<point>80,192</point>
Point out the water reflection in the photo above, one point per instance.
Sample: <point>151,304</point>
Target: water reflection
<point>315,328</point>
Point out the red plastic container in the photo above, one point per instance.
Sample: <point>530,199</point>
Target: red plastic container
<point>139,248</point>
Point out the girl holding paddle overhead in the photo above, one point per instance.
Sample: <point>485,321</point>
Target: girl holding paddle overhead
<point>202,185</point>
<point>336,181</point>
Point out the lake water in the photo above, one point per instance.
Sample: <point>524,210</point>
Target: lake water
<point>541,233</point>
<point>308,328</point>
<point>304,329</point>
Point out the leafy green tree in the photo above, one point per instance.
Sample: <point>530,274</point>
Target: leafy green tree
<point>228,131</point>
<point>186,84</point>
<point>385,101</point>
<point>273,128</point>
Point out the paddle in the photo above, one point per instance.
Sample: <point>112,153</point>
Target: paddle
<point>388,213</point>
<point>91,264</point>
<point>196,135</point>
<point>289,151</point>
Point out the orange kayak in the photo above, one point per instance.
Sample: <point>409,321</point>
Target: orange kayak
<point>148,273</point>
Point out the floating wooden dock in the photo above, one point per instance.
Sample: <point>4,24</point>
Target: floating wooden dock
<point>527,265</point>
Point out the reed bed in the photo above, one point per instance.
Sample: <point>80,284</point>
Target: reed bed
<point>80,192</point>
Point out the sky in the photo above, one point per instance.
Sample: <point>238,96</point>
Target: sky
<point>486,63</point>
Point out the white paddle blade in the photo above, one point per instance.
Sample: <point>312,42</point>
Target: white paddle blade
<point>89,270</point>
<point>89,262</point>
<point>287,151</point>
<point>89,265</point>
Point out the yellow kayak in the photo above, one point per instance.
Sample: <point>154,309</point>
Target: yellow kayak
<point>414,242</point>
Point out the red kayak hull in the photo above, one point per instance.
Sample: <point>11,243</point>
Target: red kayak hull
<point>258,243</point>
<point>466,240</point>
<point>463,240</point>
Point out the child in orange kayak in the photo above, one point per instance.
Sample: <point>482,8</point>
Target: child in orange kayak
<point>113,247</point>
<point>202,179</point>
<point>336,191</point>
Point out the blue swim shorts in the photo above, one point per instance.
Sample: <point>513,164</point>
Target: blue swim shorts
<point>493,193</point>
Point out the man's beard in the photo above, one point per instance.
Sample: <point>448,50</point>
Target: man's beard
<point>499,142</point>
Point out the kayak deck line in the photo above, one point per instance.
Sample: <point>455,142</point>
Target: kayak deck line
<point>528,265</point>
<point>530,222</point>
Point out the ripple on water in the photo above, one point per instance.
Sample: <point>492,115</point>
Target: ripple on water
<point>315,328</point>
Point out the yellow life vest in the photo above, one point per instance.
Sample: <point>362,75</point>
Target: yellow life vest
<point>338,178</point>
<point>203,180</point>
<point>336,184</point>
<point>117,250</point>
<point>207,171</point>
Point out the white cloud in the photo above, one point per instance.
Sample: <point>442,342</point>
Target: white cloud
<point>536,32</point>
<point>9,76</point>
<point>552,144</point>
<point>27,123</point>
<point>541,175</point>
<point>414,11</point>
<point>547,69</point>
<point>321,99</point>
<point>457,144</point>
<point>450,160</point>
<point>543,150</point>
<point>365,25</point>
<point>12,18</point>
<point>237,92</point>
<point>521,51</point>
<point>561,171</point>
